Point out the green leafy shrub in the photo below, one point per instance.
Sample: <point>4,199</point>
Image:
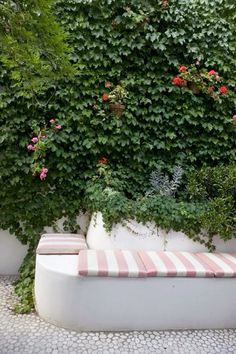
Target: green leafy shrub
<point>217,186</point>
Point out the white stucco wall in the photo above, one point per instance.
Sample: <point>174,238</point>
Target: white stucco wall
<point>12,253</point>
<point>147,237</point>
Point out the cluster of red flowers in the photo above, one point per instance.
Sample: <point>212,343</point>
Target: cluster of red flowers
<point>178,81</point>
<point>105,97</point>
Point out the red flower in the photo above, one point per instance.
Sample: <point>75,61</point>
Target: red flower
<point>223,90</point>
<point>182,69</point>
<point>211,72</point>
<point>178,81</point>
<point>105,97</point>
<point>103,160</point>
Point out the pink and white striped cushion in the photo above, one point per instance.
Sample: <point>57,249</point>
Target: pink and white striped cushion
<point>174,264</point>
<point>222,264</point>
<point>110,263</point>
<point>61,244</point>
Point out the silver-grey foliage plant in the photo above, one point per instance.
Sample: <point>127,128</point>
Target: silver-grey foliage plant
<point>162,184</point>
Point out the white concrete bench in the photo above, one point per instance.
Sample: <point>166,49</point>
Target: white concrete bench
<point>127,290</point>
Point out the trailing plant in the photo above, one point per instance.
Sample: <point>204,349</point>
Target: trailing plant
<point>39,145</point>
<point>118,95</point>
<point>201,218</point>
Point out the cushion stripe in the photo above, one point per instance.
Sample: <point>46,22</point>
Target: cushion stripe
<point>102,264</point>
<point>83,264</point>
<point>121,264</point>
<point>222,264</point>
<point>172,264</point>
<point>61,244</point>
<point>111,263</point>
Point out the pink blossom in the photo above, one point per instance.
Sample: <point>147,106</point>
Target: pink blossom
<point>58,126</point>
<point>108,84</point>
<point>52,121</point>
<point>30,147</point>
<point>43,173</point>
<point>34,139</point>
<point>42,176</point>
<point>234,116</point>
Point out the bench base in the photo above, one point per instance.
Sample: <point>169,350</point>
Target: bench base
<point>117,304</point>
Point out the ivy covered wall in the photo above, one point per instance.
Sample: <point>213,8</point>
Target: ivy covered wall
<point>142,44</point>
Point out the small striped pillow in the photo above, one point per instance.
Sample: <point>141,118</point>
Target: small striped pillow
<point>61,244</point>
<point>174,264</point>
<point>222,264</point>
<point>110,263</point>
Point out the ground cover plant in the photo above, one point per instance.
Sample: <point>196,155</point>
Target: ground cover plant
<point>143,45</point>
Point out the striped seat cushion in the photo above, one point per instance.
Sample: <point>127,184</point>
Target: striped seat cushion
<point>110,263</point>
<point>222,264</point>
<point>174,264</point>
<point>61,244</point>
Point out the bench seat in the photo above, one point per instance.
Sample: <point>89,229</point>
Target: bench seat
<point>136,291</point>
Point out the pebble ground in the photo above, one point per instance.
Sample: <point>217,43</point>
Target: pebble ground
<point>28,334</point>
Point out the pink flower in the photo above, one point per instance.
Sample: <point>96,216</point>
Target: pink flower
<point>44,170</point>
<point>217,78</point>
<point>223,90</point>
<point>52,121</point>
<point>234,116</point>
<point>108,84</point>
<point>42,176</point>
<point>211,72</point>
<point>58,126</point>
<point>183,69</point>
<point>210,89</point>
<point>43,173</point>
<point>30,147</point>
<point>34,139</point>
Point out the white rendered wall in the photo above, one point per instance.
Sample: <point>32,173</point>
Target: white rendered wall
<point>138,236</point>
<point>12,253</point>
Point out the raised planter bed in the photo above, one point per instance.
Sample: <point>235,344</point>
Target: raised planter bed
<point>147,237</point>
